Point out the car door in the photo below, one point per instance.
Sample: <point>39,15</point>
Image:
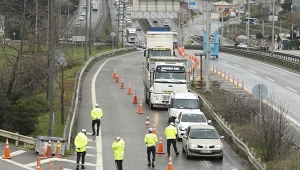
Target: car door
<point>185,140</point>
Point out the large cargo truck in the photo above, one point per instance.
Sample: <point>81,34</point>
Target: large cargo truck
<point>162,76</point>
<point>225,15</point>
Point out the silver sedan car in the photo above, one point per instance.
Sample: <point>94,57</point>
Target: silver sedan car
<point>202,141</point>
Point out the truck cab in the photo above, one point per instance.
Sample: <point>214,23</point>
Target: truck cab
<point>180,102</point>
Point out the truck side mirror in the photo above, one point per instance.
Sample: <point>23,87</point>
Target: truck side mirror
<point>145,52</point>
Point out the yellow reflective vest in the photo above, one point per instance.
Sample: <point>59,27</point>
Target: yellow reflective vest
<point>80,142</point>
<point>170,132</point>
<point>150,139</point>
<point>96,114</point>
<point>118,147</point>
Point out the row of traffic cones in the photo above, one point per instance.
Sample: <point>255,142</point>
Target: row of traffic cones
<point>160,149</point>
<point>39,167</point>
<point>48,153</point>
<point>129,92</point>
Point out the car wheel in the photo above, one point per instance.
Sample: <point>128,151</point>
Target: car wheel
<point>220,158</point>
<point>187,156</point>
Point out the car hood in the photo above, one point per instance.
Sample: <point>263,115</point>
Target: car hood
<point>205,141</point>
<point>187,124</point>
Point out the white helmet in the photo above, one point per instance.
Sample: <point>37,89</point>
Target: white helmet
<point>150,130</point>
<point>96,105</point>
<point>118,138</point>
<point>172,123</point>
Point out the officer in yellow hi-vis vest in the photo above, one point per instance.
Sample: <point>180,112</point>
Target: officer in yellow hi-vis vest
<point>96,117</point>
<point>171,133</point>
<point>80,144</point>
<point>150,140</point>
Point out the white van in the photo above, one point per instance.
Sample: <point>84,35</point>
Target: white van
<point>180,101</point>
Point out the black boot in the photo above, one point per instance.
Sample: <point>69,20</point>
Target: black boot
<point>153,165</point>
<point>149,164</point>
<point>82,167</point>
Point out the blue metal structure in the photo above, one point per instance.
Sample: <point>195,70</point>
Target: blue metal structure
<point>160,29</point>
<point>214,46</point>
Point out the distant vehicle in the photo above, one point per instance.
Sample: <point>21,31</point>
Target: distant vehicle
<point>155,20</point>
<point>131,35</point>
<point>83,13</point>
<point>225,15</point>
<point>81,18</point>
<point>263,45</point>
<point>202,140</point>
<point>253,21</point>
<point>232,14</point>
<point>84,6</point>
<point>95,6</point>
<point>242,45</point>
<point>166,23</point>
<point>139,28</point>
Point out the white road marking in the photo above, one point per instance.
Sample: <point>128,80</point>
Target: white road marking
<point>99,158</point>
<point>224,61</point>
<point>292,89</point>
<point>18,164</point>
<point>17,152</point>
<point>33,164</point>
<point>252,71</point>
<point>269,79</point>
<point>91,155</point>
<point>90,147</point>
<point>237,65</point>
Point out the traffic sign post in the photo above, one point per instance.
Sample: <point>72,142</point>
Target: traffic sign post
<point>112,38</point>
<point>192,4</point>
<point>260,92</point>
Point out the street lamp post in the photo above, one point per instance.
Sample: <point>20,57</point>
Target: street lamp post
<point>273,36</point>
<point>222,24</point>
<point>292,22</point>
<point>248,26</point>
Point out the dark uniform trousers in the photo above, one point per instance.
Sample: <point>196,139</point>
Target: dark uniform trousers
<point>94,122</point>
<point>119,164</point>
<point>173,142</point>
<point>151,149</point>
<point>82,156</point>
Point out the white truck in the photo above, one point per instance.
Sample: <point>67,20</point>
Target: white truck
<point>159,37</point>
<point>162,76</point>
<point>95,6</point>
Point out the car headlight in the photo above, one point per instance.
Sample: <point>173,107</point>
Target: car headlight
<point>218,146</point>
<point>193,146</point>
<point>181,128</point>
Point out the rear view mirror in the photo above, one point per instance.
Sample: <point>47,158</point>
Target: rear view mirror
<point>209,122</point>
<point>221,137</point>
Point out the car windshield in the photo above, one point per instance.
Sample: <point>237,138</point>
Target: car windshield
<point>186,103</point>
<point>203,134</point>
<point>199,118</point>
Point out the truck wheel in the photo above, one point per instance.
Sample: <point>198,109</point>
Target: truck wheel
<point>217,56</point>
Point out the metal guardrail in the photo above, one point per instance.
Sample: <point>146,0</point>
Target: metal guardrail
<point>256,162</point>
<point>17,137</point>
<point>73,111</point>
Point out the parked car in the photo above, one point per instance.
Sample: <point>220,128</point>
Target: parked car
<point>139,28</point>
<point>187,118</point>
<point>166,23</point>
<point>81,18</point>
<point>202,140</point>
<point>155,20</point>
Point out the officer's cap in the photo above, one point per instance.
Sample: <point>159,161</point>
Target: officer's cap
<point>118,138</point>
<point>96,105</point>
<point>172,123</point>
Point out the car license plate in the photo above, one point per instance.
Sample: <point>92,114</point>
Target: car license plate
<point>205,151</point>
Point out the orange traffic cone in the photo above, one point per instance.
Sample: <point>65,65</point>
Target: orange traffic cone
<point>160,149</point>
<point>51,165</point>
<point>6,151</point>
<point>61,168</point>
<point>153,128</point>
<point>140,110</point>
<point>117,78</point>
<point>170,165</point>
<point>134,101</point>
<point>43,155</point>
<point>129,89</point>
<point>115,74</point>
<point>57,152</point>
<point>49,150</point>
<point>122,84</point>
<point>147,124</point>
<point>38,164</point>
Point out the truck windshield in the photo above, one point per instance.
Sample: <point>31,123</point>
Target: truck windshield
<point>159,53</point>
<point>186,103</point>
<point>164,75</point>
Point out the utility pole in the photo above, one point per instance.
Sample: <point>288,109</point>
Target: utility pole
<point>51,59</point>
<point>248,26</point>
<point>222,24</point>
<point>273,33</point>
<point>207,58</point>
<point>189,22</point>
<point>118,31</point>
<point>86,29</point>
<point>90,33</point>
<point>123,44</point>
<point>36,17</point>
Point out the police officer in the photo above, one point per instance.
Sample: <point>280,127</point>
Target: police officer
<point>171,133</point>
<point>150,140</point>
<point>96,117</point>
<point>80,144</point>
<point>118,146</point>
